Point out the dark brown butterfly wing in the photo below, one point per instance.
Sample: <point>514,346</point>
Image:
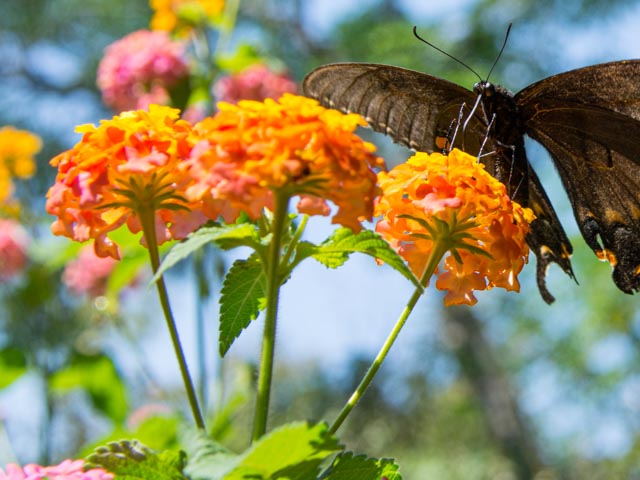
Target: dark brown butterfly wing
<point>415,109</point>
<point>589,121</point>
<point>547,238</point>
<point>411,107</point>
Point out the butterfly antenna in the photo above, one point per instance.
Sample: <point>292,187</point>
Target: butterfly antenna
<point>504,44</point>
<point>415,33</point>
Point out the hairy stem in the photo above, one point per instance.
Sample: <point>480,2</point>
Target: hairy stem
<point>148,227</point>
<point>269,334</point>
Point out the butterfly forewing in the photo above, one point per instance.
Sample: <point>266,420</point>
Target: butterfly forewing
<point>404,104</point>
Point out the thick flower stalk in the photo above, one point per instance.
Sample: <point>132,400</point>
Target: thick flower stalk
<point>138,70</point>
<point>292,146</point>
<point>125,167</point>
<point>451,198</point>
<point>181,15</point>
<point>257,155</point>
<point>67,470</point>
<point>256,82</point>
<point>17,151</point>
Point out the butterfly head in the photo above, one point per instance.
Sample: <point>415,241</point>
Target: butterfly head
<point>484,88</point>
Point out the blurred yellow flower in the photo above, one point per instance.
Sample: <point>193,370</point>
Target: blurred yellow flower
<point>180,15</point>
<point>452,198</point>
<point>17,151</point>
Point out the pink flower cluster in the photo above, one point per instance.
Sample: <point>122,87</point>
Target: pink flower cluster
<point>256,82</point>
<point>138,69</point>
<point>88,273</point>
<point>14,241</point>
<point>67,470</point>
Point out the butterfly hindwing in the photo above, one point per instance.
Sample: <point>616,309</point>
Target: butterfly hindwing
<point>547,238</point>
<point>589,121</point>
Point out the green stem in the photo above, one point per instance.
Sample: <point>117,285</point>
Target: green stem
<point>269,335</point>
<point>439,249</point>
<point>148,228</point>
<point>231,8</point>
<point>203,294</point>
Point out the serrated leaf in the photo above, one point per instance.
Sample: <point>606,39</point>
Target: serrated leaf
<point>241,300</point>
<point>304,250</point>
<point>97,375</point>
<point>224,236</point>
<point>207,459</point>
<point>134,461</point>
<point>334,251</point>
<point>13,365</point>
<point>293,452</point>
<point>346,466</point>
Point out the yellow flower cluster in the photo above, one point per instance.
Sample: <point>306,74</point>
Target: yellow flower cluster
<point>454,190</point>
<point>17,151</point>
<point>180,15</point>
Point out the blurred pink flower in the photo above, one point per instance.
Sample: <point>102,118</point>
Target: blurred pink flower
<point>14,241</point>
<point>67,470</point>
<point>256,82</point>
<point>88,273</point>
<point>137,70</point>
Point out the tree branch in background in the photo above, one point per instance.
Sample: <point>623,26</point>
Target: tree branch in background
<point>479,365</point>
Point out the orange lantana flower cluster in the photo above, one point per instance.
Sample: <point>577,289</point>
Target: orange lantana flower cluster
<point>454,190</point>
<point>152,163</point>
<point>125,166</point>
<point>294,145</point>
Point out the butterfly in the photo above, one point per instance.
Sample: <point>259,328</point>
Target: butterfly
<point>588,119</point>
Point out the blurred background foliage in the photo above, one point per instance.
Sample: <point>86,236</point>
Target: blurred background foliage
<point>508,389</point>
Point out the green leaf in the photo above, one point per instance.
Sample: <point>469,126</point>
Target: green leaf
<point>242,298</point>
<point>134,461</point>
<point>158,432</point>
<point>207,459</point>
<point>335,251</point>
<point>244,56</point>
<point>293,452</point>
<point>13,365</point>
<point>226,237</point>
<point>99,377</point>
<point>346,466</point>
